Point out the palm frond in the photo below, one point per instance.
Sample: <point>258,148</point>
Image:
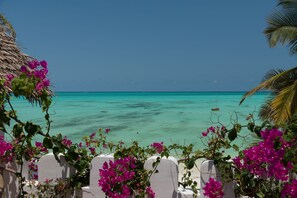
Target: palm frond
<point>281,104</point>
<point>272,73</point>
<point>270,83</point>
<point>288,3</point>
<point>282,28</point>
<point>282,81</point>
<point>265,111</point>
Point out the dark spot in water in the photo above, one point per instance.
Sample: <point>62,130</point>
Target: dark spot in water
<point>113,102</point>
<point>70,123</point>
<point>119,128</point>
<point>145,105</point>
<point>184,102</point>
<point>131,115</point>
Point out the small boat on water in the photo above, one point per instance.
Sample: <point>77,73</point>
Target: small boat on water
<point>215,109</point>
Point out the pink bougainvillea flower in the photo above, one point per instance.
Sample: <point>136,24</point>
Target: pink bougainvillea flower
<point>43,64</point>
<point>35,176</point>
<point>93,151</point>
<point>9,77</point>
<point>39,87</point>
<point>66,142</point>
<point>24,69</point>
<point>107,130</point>
<point>212,129</point>
<point>150,193</point>
<point>46,82</point>
<point>41,147</point>
<point>6,153</point>
<point>204,133</point>
<point>158,146</point>
<point>92,135</point>
<point>33,64</point>
<point>290,189</point>
<point>213,189</point>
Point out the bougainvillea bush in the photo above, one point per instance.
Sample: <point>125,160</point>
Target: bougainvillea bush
<point>267,168</point>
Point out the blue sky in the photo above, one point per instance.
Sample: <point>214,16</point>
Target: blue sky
<point>155,45</point>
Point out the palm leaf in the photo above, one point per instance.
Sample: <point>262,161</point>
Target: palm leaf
<point>265,111</point>
<point>270,83</point>
<point>288,3</point>
<point>282,104</point>
<point>282,28</point>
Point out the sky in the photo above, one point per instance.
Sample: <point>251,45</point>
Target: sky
<point>148,45</point>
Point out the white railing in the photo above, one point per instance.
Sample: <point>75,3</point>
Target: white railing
<point>164,183</point>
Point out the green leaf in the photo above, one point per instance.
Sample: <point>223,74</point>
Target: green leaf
<point>56,150</point>
<point>47,143</point>
<point>257,130</point>
<point>232,135</point>
<point>191,163</point>
<point>31,128</point>
<point>251,126</point>
<point>118,155</point>
<point>17,130</point>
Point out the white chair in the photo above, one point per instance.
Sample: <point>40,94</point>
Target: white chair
<point>93,190</point>
<point>165,182</point>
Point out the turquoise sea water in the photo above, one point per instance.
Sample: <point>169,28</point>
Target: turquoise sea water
<point>172,117</point>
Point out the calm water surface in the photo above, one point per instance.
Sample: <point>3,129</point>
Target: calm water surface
<point>172,117</point>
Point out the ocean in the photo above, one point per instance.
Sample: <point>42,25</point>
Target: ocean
<point>171,117</point>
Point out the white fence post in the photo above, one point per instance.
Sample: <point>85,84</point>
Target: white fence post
<point>50,168</point>
<point>208,170</point>
<point>10,181</point>
<point>165,182</point>
<point>93,190</point>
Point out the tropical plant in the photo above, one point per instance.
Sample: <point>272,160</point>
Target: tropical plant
<point>282,29</point>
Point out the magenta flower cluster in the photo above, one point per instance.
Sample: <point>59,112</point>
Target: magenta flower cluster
<point>9,78</point>
<point>114,177</point>
<point>40,147</point>
<point>150,193</point>
<point>32,163</point>
<point>117,179</point>
<point>34,69</point>
<point>214,130</point>
<point>266,159</point>
<point>33,168</point>
<point>66,142</point>
<point>290,189</point>
<point>6,153</point>
<point>213,189</point>
<point>158,146</point>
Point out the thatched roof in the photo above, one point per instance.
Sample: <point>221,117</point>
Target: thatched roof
<point>11,57</point>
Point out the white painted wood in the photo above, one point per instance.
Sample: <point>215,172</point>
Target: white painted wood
<point>207,171</point>
<point>93,190</point>
<point>165,182</point>
<point>50,168</point>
